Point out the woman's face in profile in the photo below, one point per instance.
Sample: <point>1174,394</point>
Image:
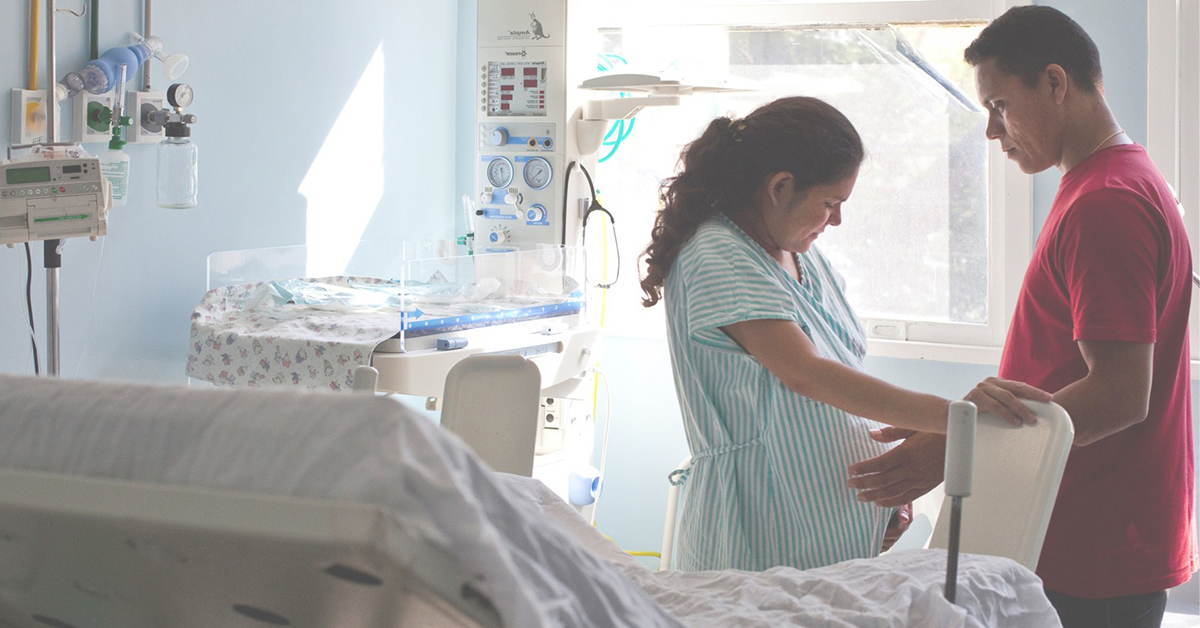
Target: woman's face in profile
<point>795,222</point>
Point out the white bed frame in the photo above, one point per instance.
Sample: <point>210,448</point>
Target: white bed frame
<point>73,555</point>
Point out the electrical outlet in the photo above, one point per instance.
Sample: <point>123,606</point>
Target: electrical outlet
<point>564,423</point>
<point>139,105</point>
<point>28,117</point>
<point>92,117</point>
<point>551,420</point>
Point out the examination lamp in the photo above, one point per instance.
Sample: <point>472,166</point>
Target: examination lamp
<point>659,92</point>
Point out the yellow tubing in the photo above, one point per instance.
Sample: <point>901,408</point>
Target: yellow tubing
<point>34,10</point>
<point>603,307</point>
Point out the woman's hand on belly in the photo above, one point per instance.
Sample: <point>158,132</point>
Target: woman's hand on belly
<point>904,473</point>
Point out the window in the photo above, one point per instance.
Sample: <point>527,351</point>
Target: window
<point>1189,154</point>
<point>1173,108</point>
<point>1189,150</point>
<point>922,244</point>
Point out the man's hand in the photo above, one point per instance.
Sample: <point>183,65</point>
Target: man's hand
<point>903,474</point>
<point>897,526</point>
<point>1002,397</point>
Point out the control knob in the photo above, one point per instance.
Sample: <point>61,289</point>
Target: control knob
<point>499,235</point>
<point>499,137</point>
<point>536,213</point>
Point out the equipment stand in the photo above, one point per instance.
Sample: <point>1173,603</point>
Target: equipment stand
<point>952,550</point>
<point>52,260</point>
<point>960,463</point>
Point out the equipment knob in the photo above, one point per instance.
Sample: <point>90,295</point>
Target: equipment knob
<point>512,198</point>
<point>536,213</point>
<point>499,137</point>
<point>499,235</point>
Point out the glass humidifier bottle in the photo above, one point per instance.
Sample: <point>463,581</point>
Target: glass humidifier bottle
<point>177,168</point>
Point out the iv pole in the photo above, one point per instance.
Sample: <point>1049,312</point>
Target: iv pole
<point>52,249</point>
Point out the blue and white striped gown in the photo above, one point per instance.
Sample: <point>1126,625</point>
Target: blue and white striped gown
<point>768,483</point>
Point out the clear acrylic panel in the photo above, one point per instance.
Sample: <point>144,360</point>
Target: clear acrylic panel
<point>465,292</point>
<point>382,259</point>
<point>445,288</point>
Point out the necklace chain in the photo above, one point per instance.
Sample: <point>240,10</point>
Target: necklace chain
<point>1105,141</point>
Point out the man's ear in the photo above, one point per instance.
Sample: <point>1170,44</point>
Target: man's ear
<point>1058,81</point>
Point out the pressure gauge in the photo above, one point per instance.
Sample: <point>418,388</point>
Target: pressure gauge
<point>537,173</point>
<point>180,95</point>
<point>500,172</point>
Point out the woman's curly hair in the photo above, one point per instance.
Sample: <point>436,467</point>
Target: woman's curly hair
<point>722,169</point>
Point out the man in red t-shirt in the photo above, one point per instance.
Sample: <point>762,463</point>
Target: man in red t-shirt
<point>1101,322</point>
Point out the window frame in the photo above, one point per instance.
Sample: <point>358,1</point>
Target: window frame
<point>1189,132</point>
<point>1010,191</point>
<point>1173,112</point>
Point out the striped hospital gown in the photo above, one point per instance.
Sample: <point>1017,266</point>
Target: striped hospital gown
<point>768,483</point>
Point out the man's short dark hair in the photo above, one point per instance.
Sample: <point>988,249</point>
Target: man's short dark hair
<point>1026,39</point>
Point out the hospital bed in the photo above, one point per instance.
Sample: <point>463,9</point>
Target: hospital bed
<point>132,505</point>
<point>298,317</point>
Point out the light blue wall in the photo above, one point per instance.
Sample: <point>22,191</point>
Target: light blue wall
<point>270,77</point>
<point>465,109</point>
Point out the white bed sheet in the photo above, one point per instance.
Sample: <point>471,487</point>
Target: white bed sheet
<point>895,590</point>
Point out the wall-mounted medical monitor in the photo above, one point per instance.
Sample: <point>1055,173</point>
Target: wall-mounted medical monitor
<point>516,88</point>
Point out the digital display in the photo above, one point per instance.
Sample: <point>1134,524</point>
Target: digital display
<point>17,176</point>
<point>516,88</point>
<point>72,169</point>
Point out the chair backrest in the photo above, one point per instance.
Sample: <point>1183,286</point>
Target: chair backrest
<point>491,402</point>
<point>1017,471</point>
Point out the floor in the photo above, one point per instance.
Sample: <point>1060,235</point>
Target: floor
<point>1178,620</point>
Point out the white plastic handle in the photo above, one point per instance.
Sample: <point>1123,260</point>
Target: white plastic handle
<point>960,448</point>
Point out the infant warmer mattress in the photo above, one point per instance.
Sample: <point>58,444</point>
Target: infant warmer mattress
<point>313,333</point>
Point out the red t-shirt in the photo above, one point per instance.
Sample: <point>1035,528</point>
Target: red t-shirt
<point>1113,263</point>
